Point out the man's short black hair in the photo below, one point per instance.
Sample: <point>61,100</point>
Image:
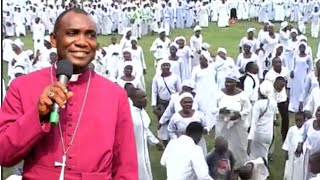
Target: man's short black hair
<point>74,10</point>
<point>249,66</point>
<point>280,78</point>
<point>194,128</point>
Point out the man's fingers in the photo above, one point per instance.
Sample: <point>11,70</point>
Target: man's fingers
<point>69,95</point>
<point>58,93</point>
<point>61,86</point>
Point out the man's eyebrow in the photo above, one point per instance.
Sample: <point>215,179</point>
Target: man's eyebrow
<point>91,31</point>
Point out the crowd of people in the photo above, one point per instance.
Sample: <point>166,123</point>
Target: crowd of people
<point>194,90</point>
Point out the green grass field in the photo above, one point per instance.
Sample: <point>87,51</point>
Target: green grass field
<point>228,38</point>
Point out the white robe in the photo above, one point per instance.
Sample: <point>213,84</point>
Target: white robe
<point>38,35</point>
<point>235,132</point>
<point>160,49</point>
<point>138,58</point>
<point>203,16</point>
<point>223,68</point>
<point>223,15</point>
<point>294,165</point>
<point>313,101</point>
<point>195,45</point>
<point>143,137</point>
<point>113,57</point>
<point>205,86</point>
<point>186,56</point>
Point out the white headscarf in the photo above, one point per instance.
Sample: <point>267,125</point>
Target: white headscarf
<point>185,95</point>
<point>222,50</point>
<point>207,55</point>
<point>266,89</point>
<point>233,76</point>
<point>180,38</point>
<point>188,83</point>
<point>205,46</point>
<point>18,43</point>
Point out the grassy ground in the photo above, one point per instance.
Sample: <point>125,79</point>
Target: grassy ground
<point>218,37</point>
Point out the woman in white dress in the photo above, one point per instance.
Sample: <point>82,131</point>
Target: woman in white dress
<point>270,41</point>
<point>181,119</point>
<point>175,61</point>
<point>125,42</point>
<point>223,14</point>
<point>245,57</point>
<point>186,55</point>
<point>128,77</point>
<point>302,65</point>
<point>233,107</point>
<point>261,129</point>
<point>311,141</point>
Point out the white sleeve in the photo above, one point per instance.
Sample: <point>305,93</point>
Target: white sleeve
<point>142,59</point>
<point>246,106</point>
<point>248,86</point>
<point>151,137</point>
<point>154,92</point>
<point>199,164</point>
<point>172,128</point>
<point>309,106</point>
<point>286,143</point>
<point>166,116</point>
<point>256,110</point>
<point>164,157</point>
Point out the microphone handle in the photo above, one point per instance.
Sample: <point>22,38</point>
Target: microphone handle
<point>55,112</point>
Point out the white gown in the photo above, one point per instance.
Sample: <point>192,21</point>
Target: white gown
<point>235,132</point>
<point>223,15</point>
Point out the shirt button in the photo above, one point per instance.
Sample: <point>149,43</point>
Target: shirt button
<point>70,157</point>
<point>71,103</point>
<point>69,167</point>
<point>69,124</point>
<point>69,134</point>
<point>69,145</point>
<point>69,114</point>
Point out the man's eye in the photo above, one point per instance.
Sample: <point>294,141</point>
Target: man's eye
<point>92,35</point>
<point>71,33</point>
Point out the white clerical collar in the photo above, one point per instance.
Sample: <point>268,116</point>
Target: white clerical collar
<point>73,78</point>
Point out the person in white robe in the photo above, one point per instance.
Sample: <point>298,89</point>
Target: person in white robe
<point>38,34</point>
<point>294,165</point>
<point>223,66</point>
<point>251,40</point>
<point>8,23</point>
<point>312,81</point>
<point>8,56</point>
<point>223,14</point>
<point>261,128</point>
<point>181,119</point>
<point>270,41</point>
<point>232,109</point>
<point>315,20</point>
<point>175,106</point>
<point>203,14</point>
<point>19,22</point>
<point>279,13</point>
<point>256,169</point>
<point>214,10</point>
<point>203,77</point>
<point>175,62</point>
<point>126,56</point>
<point>164,84</point>
<point>160,47</point>
<point>183,158</point>
<point>302,65</point>
<point>142,133</point>
<point>112,58</point>
<point>245,57</point>
<point>185,53</point>
<point>138,58</point>
<point>125,42</point>
<point>242,10</point>
<point>195,45</point>
<point>310,142</point>
<point>312,103</point>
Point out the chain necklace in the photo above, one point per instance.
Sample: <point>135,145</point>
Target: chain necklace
<point>65,151</point>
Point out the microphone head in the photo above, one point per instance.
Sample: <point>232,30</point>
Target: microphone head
<point>64,67</point>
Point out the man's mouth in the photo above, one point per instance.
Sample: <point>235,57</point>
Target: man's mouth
<point>79,54</point>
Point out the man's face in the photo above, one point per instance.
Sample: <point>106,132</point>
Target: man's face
<point>75,39</point>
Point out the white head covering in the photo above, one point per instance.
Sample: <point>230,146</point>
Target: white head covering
<point>126,30</point>
<point>47,38</point>
<point>303,43</point>
<point>180,38</point>
<point>164,61</point>
<point>29,52</point>
<point>283,25</point>
<point>19,69</point>
<point>188,83</point>
<point>175,45</point>
<point>248,43</point>
<point>222,50</point>
<point>294,31</point>
<point>207,56</point>
<point>133,38</point>
<point>18,43</point>
<point>161,30</point>
<point>197,28</point>
<point>185,95</point>
<point>233,76</point>
<point>266,88</point>
<point>251,30</point>
<point>303,37</point>
<point>205,46</point>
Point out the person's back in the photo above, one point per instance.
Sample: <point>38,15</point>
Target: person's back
<point>183,159</point>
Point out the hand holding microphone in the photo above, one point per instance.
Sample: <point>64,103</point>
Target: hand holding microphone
<point>56,95</point>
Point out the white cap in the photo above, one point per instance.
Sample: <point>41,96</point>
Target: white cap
<point>197,28</point>
<point>132,38</point>
<point>188,83</point>
<point>251,30</point>
<point>283,25</point>
<point>18,43</point>
<point>205,46</point>
<point>47,38</point>
<point>161,30</point>
<point>222,50</point>
<point>303,37</point>
<point>294,31</point>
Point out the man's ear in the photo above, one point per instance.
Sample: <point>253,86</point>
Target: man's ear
<point>53,40</point>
